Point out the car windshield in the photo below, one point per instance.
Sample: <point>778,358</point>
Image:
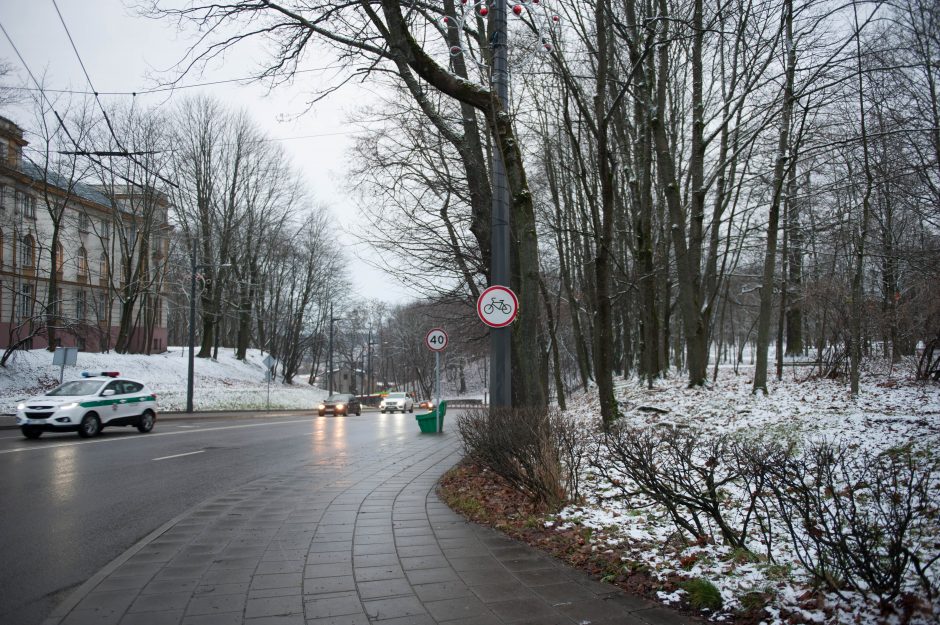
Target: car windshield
<point>75,388</point>
<point>338,398</point>
<point>397,395</point>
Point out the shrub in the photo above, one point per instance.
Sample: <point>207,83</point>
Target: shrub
<point>537,451</point>
<point>860,520</point>
<point>686,474</point>
<point>703,595</point>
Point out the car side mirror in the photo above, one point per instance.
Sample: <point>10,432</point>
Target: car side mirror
<point>108,392</point>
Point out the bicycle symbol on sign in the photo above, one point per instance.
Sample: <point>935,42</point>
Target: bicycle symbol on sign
<point>497,304</point>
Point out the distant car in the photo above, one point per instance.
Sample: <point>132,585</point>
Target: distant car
<point>426,404</point>
<point>340,404</point>
<point>96,401</point>
<point>397,401</point>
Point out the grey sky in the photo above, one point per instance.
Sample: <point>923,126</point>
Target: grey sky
<point>123,53</point>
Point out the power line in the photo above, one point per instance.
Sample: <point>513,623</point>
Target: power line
<point>166,88</point>
<point>58,117</point>
<point>104,112</point>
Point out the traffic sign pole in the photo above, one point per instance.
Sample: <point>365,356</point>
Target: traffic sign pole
<point>436,341</point>
<point>437,385</point>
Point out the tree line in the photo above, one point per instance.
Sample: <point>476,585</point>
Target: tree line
<point>686,177</point>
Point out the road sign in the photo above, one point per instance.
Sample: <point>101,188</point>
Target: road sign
<point>436,340</point>
<point>498,306</point>
<point>268,362</point>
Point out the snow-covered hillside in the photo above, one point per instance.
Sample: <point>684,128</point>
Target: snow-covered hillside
<point>223,384</point>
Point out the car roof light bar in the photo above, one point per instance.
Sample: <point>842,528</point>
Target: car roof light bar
<point>99,374</point>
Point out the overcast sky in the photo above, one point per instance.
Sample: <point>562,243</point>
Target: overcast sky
<point>122,52</point>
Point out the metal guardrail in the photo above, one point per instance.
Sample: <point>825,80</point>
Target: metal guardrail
<point>465,403</point>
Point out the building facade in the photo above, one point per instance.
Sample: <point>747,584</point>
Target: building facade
<point>80,265</point>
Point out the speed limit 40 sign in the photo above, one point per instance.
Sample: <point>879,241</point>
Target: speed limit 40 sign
<point>436,340</point>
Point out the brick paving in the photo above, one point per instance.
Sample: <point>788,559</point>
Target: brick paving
<point>356,538</point>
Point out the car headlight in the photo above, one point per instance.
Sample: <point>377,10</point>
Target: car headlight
<point>69,406</point>
<point>321,407</point>
<point>21,406</point>
<point>339,406</point>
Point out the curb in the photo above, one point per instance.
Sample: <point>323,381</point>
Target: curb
<point>63,609</point>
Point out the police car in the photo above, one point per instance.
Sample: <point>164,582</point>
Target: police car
<point>85,406</point>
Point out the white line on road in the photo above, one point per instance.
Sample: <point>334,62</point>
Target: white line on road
<point>191,453</point>
<point>40,446</point>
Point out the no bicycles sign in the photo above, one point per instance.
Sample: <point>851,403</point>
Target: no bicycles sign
<point>498,306</point>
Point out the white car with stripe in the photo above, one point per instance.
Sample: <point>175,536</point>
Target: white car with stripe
<point>87,405</point>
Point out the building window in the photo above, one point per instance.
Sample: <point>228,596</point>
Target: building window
<point>80,306</point>
<point>57,258</point>
<point>25,205</point>
<point>2,258</point>
<point>57,303</point>
<point>105,229</point>
<point>101,303</point>
<point>103,274</point>
<point>3,197</point>
<point>84,223</point>
<point>26,300</point>
<point>27,251</point>
<point>82,264</point>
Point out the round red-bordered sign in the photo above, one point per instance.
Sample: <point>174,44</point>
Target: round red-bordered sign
<point>436,340</point>
<point>498,306</point>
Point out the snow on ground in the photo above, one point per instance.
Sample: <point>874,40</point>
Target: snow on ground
<point>890,413</point>
<point>226,384</point>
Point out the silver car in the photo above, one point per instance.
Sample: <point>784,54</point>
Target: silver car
<point>397,401</point>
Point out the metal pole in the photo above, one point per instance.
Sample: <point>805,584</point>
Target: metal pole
<point>192,333</point>
<point>330,372</point>
<point>437,390</point>
<point>500,338</point>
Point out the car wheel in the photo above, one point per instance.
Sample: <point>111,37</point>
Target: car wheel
<point>90,426</point>
<point>412,409</point>
<point>358,412</point>
<point>31,432</point>
<point>321,413</point>
<point>383,412</point>
<point>146,421</point>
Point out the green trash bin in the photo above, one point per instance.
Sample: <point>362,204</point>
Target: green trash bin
<point>427,422</point>
<point>433,421</point>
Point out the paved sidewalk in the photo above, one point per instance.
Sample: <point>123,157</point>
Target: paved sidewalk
<point>357,538</point>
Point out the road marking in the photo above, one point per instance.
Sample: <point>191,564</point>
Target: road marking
<point>192,453</point>
<point>151,435</point>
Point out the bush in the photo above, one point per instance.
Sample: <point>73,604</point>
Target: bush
<point>860,521</point>
<point>537,451</point>
<point>686,474</point>
<point>703,595</point>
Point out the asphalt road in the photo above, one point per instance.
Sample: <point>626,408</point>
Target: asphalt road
<point>69,505</point>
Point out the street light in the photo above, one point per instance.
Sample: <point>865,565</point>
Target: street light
<point>192,328</point>
<point>371,343</point>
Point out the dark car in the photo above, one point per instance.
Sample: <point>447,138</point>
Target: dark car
<point>340,404</point>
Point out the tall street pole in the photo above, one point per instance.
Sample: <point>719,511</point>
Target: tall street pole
<point>192,333</point>
<point>370,362</point>
<point>330,372</point>
<point>500,338</point>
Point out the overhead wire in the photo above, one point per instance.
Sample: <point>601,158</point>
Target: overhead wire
<point>104,112</point>
<point>165,88</point>
<point>52,108</point>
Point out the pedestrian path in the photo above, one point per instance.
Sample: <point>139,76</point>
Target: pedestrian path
<point>354,539</point>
